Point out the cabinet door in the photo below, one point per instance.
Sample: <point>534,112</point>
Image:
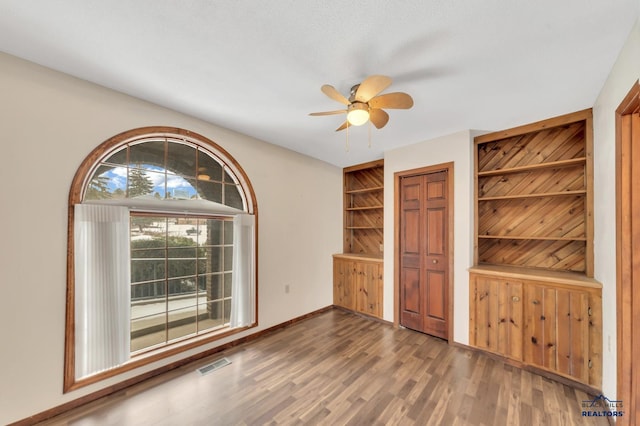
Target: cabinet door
<point>369,288</point>
<point>496,315</point>
<point>557,330</point>
<point>343,283</point>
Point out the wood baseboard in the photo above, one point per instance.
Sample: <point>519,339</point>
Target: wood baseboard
<point>360,314</point>
<point>109,390</point>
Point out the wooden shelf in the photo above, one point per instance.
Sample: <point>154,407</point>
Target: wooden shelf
<point>363,208</point>
<point>542,195</point>
<point>548,165</point>
<point>358,256</point>
<point>559,277</point>
<point>504,237</point>
<point>363,190</point>
<point>356,209</point>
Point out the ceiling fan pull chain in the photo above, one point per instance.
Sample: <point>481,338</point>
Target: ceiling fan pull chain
<point>370,124</point>
<point>346,148</point>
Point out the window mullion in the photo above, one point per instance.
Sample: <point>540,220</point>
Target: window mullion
<point>166,279</point>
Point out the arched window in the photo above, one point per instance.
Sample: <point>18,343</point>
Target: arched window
<point>162,247</point>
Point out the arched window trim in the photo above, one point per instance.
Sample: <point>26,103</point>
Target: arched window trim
<point>76,194</point>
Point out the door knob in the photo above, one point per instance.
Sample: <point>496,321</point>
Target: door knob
<point>435,260</point>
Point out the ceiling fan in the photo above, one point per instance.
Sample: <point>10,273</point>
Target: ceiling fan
<point>365,104</point>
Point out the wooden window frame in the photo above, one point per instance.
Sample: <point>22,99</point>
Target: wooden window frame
<point>76,194</point>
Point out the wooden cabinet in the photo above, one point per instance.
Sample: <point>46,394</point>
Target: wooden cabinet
<point>549,320</point>
<point>357,284</point>
<point>357,273</point>
<point>534,195</point>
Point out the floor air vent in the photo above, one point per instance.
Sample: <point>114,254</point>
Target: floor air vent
<point>213,366</point>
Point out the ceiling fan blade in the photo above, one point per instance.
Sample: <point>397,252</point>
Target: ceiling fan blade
<point>344,126</point>
<point>378,117</point>
<point>395,100</point>
<point>371,86</point>
<point>331,92</point>
<point>341,111</point>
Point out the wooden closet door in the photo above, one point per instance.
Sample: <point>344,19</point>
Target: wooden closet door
<point>424,253</point>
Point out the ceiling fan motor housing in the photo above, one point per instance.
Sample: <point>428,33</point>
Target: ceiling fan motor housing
<point>352,93</point>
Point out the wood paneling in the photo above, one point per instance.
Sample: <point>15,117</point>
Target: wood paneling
<point>557,180</point>
<point>552,217</point>
<point>547,254</point>
<point>538,147</point>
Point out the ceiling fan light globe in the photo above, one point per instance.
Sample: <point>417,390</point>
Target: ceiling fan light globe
<point>358,115</point>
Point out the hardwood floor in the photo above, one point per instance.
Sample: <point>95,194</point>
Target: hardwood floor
<point>341,369</point>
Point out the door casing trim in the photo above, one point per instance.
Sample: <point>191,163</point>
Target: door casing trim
<point>627,298</point>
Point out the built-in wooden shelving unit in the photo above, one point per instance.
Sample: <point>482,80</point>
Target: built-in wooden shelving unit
<point>358,270</point>
<point>364,208</point>
<point>532,295</point>
<point>533,196</point>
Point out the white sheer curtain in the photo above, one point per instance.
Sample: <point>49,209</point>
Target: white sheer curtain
<point>243,284</point>
<point>102,275</point>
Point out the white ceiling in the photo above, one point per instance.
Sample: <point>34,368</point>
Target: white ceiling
<point>257,66</point>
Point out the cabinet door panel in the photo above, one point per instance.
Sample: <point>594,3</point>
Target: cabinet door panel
<point>557,330</point>
<point>482,326</point>
<point>343,285</point>
<point>573,334</point>
<point>357,285</point>
<point>510,320</point>
<point>363,287</point>
<point>497,316</point>
<point>533,327</point>
<point>369,289</point>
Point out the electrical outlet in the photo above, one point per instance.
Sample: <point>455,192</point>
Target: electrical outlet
<point>287,288</point>
<point>381,248</point>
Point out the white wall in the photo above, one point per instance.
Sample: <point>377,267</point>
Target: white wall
<point>456,148</point>
<point>49,122</point>
<point>624,73</point>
